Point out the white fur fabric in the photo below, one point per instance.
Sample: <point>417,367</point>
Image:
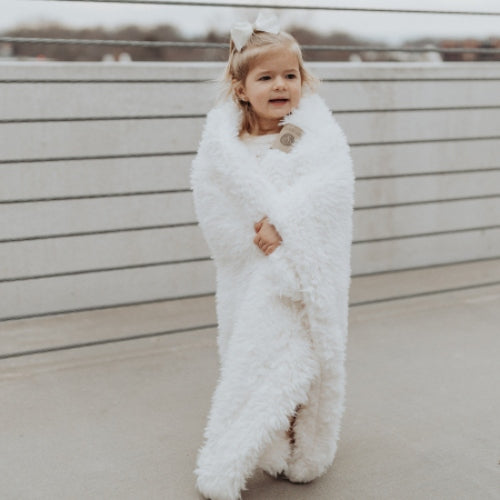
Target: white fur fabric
<point>282,318</point>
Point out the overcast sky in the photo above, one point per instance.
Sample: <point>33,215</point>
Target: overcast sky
<point>392,28</point>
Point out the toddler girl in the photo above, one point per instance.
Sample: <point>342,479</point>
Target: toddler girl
<point>273,193</point>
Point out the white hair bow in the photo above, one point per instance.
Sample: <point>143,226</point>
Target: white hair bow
<point>241,32</point>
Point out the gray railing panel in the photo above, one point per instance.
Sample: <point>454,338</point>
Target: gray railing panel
<point>95,207</point>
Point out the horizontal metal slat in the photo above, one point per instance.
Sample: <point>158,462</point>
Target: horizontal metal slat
<point>25,141</point>
<point>27,181</point>
<point>52,71</point>
<point>65,331</point>
<point>64,100</point>
<point>426,188</point>
<point>417,282</point>
<point>54,218</point>
<point>24,181</point>
<point>73,217</point>
<point>410,220</point>
<point>62,257</point>
<point>425,251</point>
<point>34,258</point>
<point>423,158</point>
<point>111,288</point>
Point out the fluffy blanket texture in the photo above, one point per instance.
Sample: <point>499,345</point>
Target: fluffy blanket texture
<point>282,318</point>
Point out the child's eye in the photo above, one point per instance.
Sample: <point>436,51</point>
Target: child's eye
<point>291,76</point>
<point>265,77</point>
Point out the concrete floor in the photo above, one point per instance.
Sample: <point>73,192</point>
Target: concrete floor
<point>124,420</point>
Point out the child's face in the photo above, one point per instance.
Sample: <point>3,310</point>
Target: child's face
<point>273,86</point>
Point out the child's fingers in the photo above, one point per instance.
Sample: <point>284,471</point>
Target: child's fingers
<point>260,242</point>
<point>270,249</point>
<point>266,245</point>
<point>263,246</point>
<point>257,225</point>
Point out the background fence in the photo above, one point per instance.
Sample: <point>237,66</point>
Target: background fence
<point>96,211</point>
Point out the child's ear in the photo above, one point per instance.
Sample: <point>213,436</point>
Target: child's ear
<point>240,92</point>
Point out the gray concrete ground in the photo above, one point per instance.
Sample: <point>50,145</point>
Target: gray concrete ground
<point>124,420</point>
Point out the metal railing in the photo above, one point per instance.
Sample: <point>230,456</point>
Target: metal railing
<point>113,115</point>
<point>272,5</point>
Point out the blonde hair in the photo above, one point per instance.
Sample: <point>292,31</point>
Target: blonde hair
<point>240,63</point>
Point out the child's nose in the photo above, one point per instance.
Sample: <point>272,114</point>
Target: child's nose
<point>279,83</point>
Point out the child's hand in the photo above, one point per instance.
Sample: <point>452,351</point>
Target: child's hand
<point>267,238</point>
<point>258,225</point>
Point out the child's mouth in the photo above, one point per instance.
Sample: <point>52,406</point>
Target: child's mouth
<point>278,101</point>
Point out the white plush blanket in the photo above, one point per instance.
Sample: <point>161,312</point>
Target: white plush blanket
<point>282,318</point>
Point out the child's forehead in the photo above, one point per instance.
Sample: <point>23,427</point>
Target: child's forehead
<point>275,59</point>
